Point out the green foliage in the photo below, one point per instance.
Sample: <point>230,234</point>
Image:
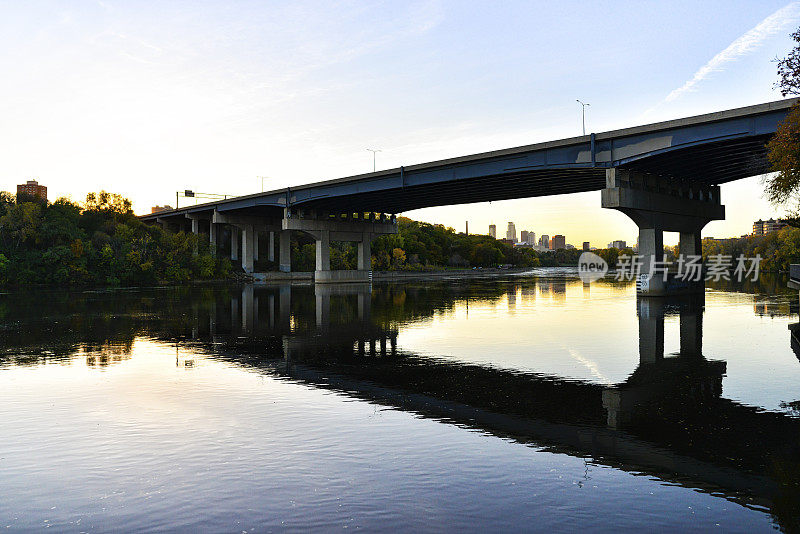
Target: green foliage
<point>101,243</point>
<point>422,246</point>
<point>783,150</point>
<point>777,249</point>
<point>784,157</point>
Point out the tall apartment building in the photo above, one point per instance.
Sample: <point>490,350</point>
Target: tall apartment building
<point>558,241</point>
<point>493,231</point>
<point>511,233</point>
<point>531,238</point>
<point>586,245</point>
<point>523,236</point>
<point>764,227</point>
<point>32,189</point>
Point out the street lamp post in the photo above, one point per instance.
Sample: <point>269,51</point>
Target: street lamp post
<point>583,114</point>
<point>374,151</point>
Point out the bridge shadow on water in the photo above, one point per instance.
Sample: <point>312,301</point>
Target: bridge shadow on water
<point>667,419</point>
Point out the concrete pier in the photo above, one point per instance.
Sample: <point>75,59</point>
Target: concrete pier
<point>325,227</point>
<point>658,204</point>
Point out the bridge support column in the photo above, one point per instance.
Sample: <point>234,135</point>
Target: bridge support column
<point>196,232</point>
<point>234,243</point>
<point>657,204</point>
<point>212,237</point>
<point>651,249</point>
<point>248,238</point>
<point>324,251</point>
<point>690,244</point>
<point>285,251</point>
<point>271,246</point>
<point>195,224</point>
<point>365,252</point>
<point>255,243</point>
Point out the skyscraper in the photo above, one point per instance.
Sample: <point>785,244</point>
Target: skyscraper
<point>493,231</point>
<point>511,233</point>
<point>544,241</point>
<point>586,245</point>
<point>559,241</point>
<point>523,236</point>
<point>531,238</point>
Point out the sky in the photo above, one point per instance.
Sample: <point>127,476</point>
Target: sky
<point>149,98</point>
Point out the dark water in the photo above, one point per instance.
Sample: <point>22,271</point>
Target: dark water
<point>529,403</point>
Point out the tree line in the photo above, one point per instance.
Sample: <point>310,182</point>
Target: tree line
<point>101,242</point>
<point>98,243</point>
<point>421,246</point>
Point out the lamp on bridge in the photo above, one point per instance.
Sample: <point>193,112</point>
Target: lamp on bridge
<point>583,114</point>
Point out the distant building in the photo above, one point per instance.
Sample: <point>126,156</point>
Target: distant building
<point>558,242</point>
<point>765,227</point>
<point>523,237</point>
<point>32,189</point>
<point>156,209</point>
<point>544,241</point>
<point>511,233</point>
<point>531,238</point>
<point>493,231</point>
<point>586,245</point>
<point>618,244</point>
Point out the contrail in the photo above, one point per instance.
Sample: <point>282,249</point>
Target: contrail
<point>745,44</point>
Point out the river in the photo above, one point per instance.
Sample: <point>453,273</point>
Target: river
<point>527,402</point>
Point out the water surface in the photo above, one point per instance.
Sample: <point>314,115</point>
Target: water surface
<point>528,403</point>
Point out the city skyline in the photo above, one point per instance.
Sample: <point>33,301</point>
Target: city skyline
<point>150,99</point>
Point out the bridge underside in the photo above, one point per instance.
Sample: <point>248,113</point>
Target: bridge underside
<point>665,176</point>
<point>707,164</point>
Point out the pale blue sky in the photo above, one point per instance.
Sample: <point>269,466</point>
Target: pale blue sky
<point>146,98</point>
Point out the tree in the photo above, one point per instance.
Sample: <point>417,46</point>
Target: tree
<point>783,150</point>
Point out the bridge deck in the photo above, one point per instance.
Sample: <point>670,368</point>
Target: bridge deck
<point>711,149</point>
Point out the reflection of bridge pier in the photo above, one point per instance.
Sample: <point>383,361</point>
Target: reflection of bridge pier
<point>341,318</point>
<point>660,385</point>
<point>323,293</point>
<point>352,331</point>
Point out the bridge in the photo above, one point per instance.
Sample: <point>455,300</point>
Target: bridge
<point>665,176</point>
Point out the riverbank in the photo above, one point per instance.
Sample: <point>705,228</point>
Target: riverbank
<point>389,276</point>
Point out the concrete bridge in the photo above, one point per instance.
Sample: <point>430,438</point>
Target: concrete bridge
<point>665,176</point>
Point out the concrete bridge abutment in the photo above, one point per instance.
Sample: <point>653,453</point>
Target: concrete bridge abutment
<point>658,204</point>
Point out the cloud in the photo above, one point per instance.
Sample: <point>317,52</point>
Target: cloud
<point>742,46</point>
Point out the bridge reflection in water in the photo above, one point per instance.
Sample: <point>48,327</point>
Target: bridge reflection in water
<point>667,419</point>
